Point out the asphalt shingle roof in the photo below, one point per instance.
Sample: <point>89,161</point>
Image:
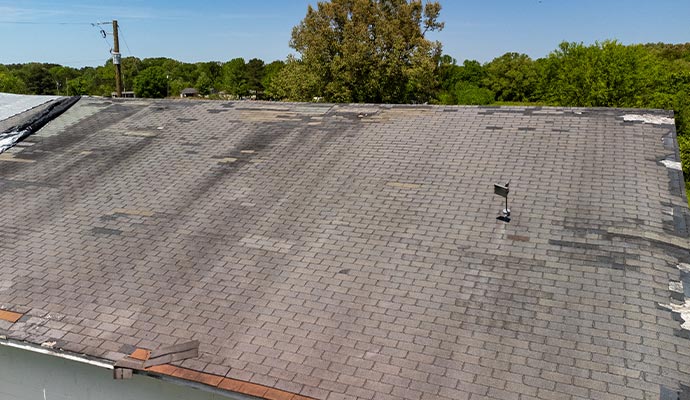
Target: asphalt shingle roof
<point>354,251</point>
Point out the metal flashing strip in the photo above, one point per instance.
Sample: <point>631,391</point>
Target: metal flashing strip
<point>228,387</point>
<point>155,363</point>
<point>47,351</point>
<point>180,378</point>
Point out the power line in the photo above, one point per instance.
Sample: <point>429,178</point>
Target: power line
<point>136,67</point>
<point>42,23</point>
<point>102,34</point>
<point>124,40</point>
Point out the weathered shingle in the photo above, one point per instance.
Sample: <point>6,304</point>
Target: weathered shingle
<point>354,251</point>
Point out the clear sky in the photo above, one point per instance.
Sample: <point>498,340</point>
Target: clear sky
<point>219,30</point>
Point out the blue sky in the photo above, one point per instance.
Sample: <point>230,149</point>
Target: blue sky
<point>191,31</point>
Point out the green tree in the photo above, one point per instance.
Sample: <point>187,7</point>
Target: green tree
<point>606,74</point>
<point>254,72</point>
<point>366,51</point>
<point>177,86</point>
<point>61,75</point>
<point>270,72</point>
<point>37,78</point>
<point>11,84</point>
<point>472,72</point>
<point>512,77</point>
<point>213,71</point>
<point>130,69</point>
<point>235,77</point>
<point>78,86</point>
<point>204,84</point>
<point>295,82</point>
<point>470,94</point>
<point>151,82</point>
<point>447,72</point>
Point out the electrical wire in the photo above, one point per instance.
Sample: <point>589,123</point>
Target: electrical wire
<point>136,66</point>
<point>43,23</point>
<point>124,40</point>
<point>102,34</point>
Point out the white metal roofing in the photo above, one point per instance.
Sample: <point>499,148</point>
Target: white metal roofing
<point>13,104</point>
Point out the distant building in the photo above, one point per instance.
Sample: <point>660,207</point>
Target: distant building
<point>129,95</point>
<point>189,92</point>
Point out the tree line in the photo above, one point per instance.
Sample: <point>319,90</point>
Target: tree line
<point>604,74</point>
<point>149,77</point>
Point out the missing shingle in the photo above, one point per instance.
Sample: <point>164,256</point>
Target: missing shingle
<point>404,185</point>
<point>668,394</point>
<point>142,134</point>
<point>127,349</point>
<point>682,333</point>
<point>517,238</point>
<point>679,304</point>
<point>526,129</point>
<point>684,393</point>
<point>13,158</point>
<point>345,271</point>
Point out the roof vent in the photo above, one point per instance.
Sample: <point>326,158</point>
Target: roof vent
<point>503,190</point>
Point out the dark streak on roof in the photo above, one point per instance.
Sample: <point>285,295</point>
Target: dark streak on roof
<point>353,251</point>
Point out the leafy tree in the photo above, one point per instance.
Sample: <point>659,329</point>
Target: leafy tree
<point>37,78</point>
<point>366,51</point>
<point>177,86</point>
<point>295,82</point>
<point>11,84</point>
<point>213,71</point>
<point>151,82</point>
<point>471,94</point>
<point>472,72</point>
<point>447,71</point>
<point>606,74</point>
<point>235,77</point>
<point>78,86</point>
<point>512,77</point>
<point>203,84</point>
<point>270,72</point>
<point>254,71</point>
<point>61,75</point>
<point>130,69</point>
<point>185,72</point>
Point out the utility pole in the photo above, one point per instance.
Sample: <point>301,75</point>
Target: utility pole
<point>116,60</point>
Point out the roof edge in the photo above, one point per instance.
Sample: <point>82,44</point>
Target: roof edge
<point>34,348</point>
